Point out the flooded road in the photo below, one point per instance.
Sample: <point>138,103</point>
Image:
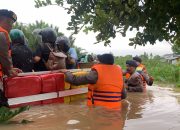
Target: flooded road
<point>156,109</point>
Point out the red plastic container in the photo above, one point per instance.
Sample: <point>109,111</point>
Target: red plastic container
<point>52,83</point>
<point>22,86</point>
<point>33,85</point>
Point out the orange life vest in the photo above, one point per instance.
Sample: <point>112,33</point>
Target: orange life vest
<point>8,41</point>
<point>142,67</point>
<point>127,75</point>
<point>108,89</point>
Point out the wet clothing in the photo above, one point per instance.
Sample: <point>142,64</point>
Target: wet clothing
<point>22,57</point>
<point>90,78</point>
<point>134,83</point>
<point>5,59</point>
<point>94,77</point>
<point>43,52</point>
<point>5,62</point>
<point>108,89</point>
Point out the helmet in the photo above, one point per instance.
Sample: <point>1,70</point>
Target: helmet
<point>17,36</point>
<point>48,35</point>
<point>63,43</point>
<point>106,58</point>
<point>138,59</point>
<point>8,13</point>
<point>63,40</point>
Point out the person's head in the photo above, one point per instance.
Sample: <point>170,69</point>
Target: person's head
<point>131,66</point>
<point>63,43</point>
<point>48,35</point>
<point>106,59</point>
<point>7,18</point>
<point>17,36</point>
<point>90,58</point>
<point>137,59</point>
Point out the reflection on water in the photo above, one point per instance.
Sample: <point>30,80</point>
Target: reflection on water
<point>157,109</point>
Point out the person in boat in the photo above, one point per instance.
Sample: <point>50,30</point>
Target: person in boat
<point>41,55</point>
<point>22,56</point>
<point>63,45</point>
<point>105,83</point>
<point>7,18</point>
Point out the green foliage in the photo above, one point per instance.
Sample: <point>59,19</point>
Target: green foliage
<point>28,29</point>
<point>176,46</point>
<point>6,113</point>
<point>160,70</point>
<point>152,19</point>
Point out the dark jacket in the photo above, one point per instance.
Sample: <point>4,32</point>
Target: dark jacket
<point>22,57</point>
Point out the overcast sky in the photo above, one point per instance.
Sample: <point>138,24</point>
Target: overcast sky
<point>27,13</point>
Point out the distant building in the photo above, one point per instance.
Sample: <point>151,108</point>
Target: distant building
<point>172,58</point>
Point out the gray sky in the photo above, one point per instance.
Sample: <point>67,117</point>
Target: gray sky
<point>27,13</point>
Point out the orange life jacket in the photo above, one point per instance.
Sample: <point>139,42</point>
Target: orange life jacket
<point>107,91</point>
<point>127,75</point>
<point>142,67</point>
<point>8,41</point>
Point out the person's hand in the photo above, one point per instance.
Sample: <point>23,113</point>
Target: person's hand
<point>14,72</point>
<point>151,78</point>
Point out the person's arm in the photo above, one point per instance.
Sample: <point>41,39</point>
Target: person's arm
<point>70,60</point>
<point>72,56</point>
<point>90,78</point>
<point>5,60</point>
<point>124,72</point>
<point>149,80</point>
<point>37,54</point>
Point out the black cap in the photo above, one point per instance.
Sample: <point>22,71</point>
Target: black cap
<point>9,14</point>
<point>106,59</point>
<point>138,59</point>
<point>131,63</point>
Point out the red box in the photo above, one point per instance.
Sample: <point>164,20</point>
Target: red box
<point>22,86</point>
<point>52,83</point>
<point>33,85</point>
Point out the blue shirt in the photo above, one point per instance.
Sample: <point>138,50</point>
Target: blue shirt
<point>72,53</point>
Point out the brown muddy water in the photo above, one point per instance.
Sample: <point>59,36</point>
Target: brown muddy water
<point>156,109</point>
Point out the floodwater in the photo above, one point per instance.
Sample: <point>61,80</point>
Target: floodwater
<point>156,109</point>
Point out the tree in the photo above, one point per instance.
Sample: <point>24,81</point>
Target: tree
<point>176,46</point>
<point>153,19</point>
